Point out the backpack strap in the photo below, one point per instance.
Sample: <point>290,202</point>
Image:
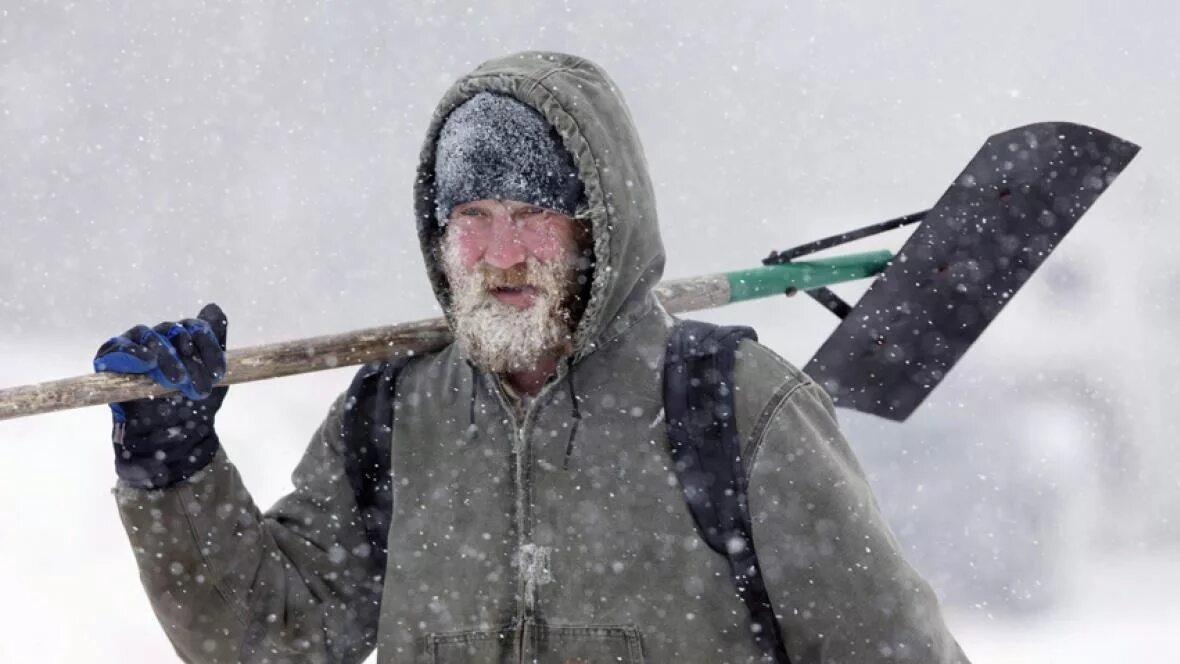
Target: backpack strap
<point>366,437</point>
<point>706,453</point>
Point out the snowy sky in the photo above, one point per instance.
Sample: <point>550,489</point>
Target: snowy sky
<point>156,156</point>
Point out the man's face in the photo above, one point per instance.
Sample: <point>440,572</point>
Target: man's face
<point>513,269</point>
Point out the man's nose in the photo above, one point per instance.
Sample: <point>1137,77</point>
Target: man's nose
<point>506,248</point>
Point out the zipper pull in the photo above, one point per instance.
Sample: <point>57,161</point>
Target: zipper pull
<point>534,569</point>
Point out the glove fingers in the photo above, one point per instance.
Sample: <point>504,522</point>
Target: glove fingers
<point>199,381</point>
<point>215,317</point>
<point>170,372</point>
<point>122,355</point>
<point>178,336</point>
<point>188,356</point>
<point>208,346</point>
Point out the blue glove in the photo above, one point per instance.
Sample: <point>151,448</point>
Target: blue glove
<point>161,441</point>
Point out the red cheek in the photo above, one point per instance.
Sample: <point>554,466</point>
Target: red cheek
<point>471,247</point>
<point>545,250</point>
<point>548,245</point>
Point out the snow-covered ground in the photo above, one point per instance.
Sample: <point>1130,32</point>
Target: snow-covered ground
<point>72,595</point>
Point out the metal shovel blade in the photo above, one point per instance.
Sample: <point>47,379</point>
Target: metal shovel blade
<point>1002,217</point>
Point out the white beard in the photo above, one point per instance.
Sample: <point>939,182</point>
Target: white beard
<point>497,336</point>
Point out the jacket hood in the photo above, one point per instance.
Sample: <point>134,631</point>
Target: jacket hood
<point>588,112</point>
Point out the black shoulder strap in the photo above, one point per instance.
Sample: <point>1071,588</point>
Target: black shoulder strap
<point>366,437</point>
<point>706,452</point>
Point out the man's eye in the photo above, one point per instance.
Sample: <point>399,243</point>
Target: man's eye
<point>471,212</point>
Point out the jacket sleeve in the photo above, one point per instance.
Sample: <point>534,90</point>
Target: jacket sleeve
<point>228,583</point>
<point>834,570</point>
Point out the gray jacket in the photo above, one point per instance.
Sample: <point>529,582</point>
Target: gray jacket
<point>514,538</point>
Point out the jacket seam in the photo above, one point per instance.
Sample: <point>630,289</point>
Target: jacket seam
<point>537,81</point>
<point>781,396</point>
<point>222,590</point>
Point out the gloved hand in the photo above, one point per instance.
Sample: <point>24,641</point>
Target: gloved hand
<point>161,441</point>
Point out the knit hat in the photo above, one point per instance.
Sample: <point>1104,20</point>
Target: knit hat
<point>493,146</point>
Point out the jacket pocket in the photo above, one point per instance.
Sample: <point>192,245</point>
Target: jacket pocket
<point>471,647</point>
<point>536,643</point>
<point>590,644</point>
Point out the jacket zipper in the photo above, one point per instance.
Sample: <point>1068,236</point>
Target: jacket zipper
<point>526,610</point>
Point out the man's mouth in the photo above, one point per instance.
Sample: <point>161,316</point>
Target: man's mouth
<point>521,297</point>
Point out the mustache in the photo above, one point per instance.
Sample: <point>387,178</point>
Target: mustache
<point>516,276</point>
<point>484,278</point>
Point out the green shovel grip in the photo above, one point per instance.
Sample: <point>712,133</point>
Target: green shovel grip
<point>803,275</point>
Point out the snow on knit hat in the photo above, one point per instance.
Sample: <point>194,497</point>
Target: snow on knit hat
<point>493,146</point>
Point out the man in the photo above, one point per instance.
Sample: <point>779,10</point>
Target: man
<point>522,505</point>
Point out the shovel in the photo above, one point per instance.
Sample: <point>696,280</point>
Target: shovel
<point>995,225</point>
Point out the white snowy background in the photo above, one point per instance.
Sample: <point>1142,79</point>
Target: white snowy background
<point>157,156</point>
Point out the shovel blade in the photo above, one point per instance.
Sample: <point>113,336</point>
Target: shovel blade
<point>995,225</point>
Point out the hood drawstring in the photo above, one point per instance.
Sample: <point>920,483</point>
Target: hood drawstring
<point>472,430</point>
<point>574,411</point>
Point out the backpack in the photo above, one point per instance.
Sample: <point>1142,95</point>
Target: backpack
<point>707,455</point>
<point>702,434</point>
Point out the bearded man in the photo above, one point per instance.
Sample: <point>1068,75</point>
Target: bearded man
<point>511,498</point>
